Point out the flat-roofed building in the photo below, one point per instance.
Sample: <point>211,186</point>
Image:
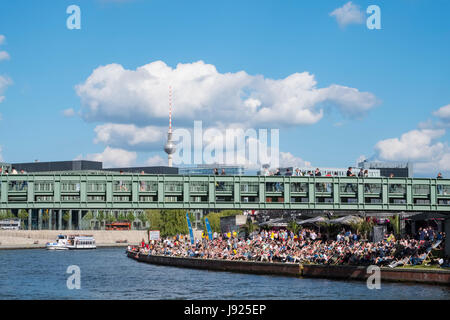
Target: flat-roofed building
<point>73,165</point>
<point>147,170</point>
<point>398,169</point>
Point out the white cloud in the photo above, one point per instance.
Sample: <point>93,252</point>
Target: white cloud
<point>4,55</point>
<point>114,94</point>
<point>112,157</point>
<point>156,160</point>
<point>347,14</point>
<point>69,112</point>
<point>4,82</point>
<point>2,39</point>
<point>129,136</point>
<point>443,113</point>
<point>420,147</point>
<point>289,160</point>
<point>413,145</point>
<point>1,157</point>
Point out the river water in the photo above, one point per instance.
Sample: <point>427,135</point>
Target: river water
<point>106,273</point>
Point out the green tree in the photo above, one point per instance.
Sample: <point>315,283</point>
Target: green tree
<point>130,216</point>
<point>250,226</point>
<point>66,217</point>
<point>23,214</point>
<point>88,216</point>
<point>294,227</point>
<point>395,223</point>
<point>143,217</point>
<point>110,217</point>
<point>45,215</point>
<point>214,218</point>
<point>154,218</point>
<point>6,214</point>
<point>121,216</point>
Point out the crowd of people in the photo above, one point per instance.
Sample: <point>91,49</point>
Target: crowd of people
<point>13,171</point>
<point>306,247</point>
<point>363,173</point>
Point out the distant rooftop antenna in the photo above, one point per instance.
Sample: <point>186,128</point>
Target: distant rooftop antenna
<point>170,108</point>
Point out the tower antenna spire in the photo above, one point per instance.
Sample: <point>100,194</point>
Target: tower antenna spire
<point>169,148</point>
<point>170,108</point>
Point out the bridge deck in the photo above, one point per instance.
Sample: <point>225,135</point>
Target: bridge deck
<point>105,190</point>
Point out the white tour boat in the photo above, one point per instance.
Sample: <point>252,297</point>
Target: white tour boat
<point>60,244</point>
<point>81,242</point>
<point>64,242</point>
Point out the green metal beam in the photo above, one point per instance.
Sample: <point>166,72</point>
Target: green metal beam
<point>86,191</point>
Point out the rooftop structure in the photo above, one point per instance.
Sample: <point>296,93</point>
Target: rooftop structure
<point>73,165</point>
<point>146,170</point>
<point>398,169</point>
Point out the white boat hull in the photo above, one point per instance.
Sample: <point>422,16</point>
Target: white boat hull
<point>53,246</point>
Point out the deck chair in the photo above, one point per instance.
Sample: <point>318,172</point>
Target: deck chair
<point>401,262</point>
<point>429,255</point>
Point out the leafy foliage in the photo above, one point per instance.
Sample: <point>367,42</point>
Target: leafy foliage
<point>294,227</point>
<point>214,218</point>
<point>6,214</point>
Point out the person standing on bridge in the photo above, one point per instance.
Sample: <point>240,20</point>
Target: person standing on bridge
<point>439,186</point>
<point>349,174</point>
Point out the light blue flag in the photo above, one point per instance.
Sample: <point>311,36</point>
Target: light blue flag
<point>208,228</point>
<point>190,228</point>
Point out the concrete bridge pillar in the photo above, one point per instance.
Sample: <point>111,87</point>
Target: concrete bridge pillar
<point>79,219</point>
<point>39,219</point>
<point>70,220</point>
<point>30,221</point>
<point>59,219</point>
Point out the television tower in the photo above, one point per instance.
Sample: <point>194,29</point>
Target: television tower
<point>169,148</point>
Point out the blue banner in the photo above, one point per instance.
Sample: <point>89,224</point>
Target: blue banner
<point>208,228</point>
<point>190,227</point>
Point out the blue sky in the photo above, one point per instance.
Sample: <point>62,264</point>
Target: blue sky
<point>404,68</point>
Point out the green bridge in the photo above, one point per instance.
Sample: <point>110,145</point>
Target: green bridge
<point>106,190</point>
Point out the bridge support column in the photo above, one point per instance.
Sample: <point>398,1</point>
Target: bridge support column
<point>79,219</point>
<point>30,221</point>
<point>70,220</point>
<point>413,228</point>
<point>447,236</point>
<point>59,219</point>
<point>40,211</point>
<point>402,225</point>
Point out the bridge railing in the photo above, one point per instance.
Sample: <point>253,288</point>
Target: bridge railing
<point>82,190</point>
